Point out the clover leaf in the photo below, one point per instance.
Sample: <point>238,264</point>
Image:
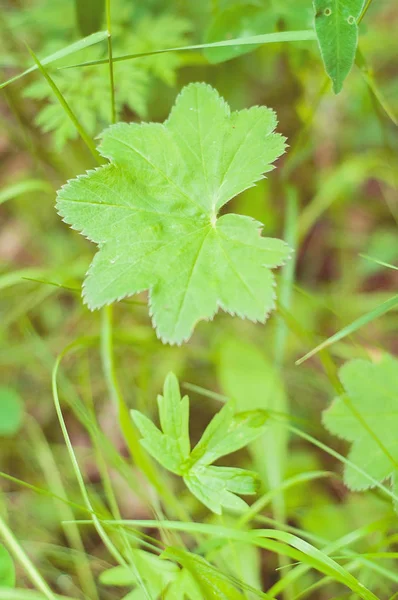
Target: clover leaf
<point>367,416</point>
<point>216,487</point>
<point>154,213</point>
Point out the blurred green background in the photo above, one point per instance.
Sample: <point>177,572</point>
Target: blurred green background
<point>340,176</point>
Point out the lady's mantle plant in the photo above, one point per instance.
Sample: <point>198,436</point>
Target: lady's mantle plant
<point>154,213</point>
<point>216,487</point>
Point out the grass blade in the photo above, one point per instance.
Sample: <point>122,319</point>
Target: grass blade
<point>86,42</point>
<point>354,326</point>
<point>76,468</point>
<point>270,539</point>
<point>379,262</point>
<point>21,556</point>
<point>369,78</point>
<point>127,426</point>
<point>110,60</point>
<point>8,594</point>
<point>266,38</point>
<point>61,99</point>
<point>24,187</point>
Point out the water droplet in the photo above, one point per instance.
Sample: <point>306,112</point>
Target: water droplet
<point>327,12</point>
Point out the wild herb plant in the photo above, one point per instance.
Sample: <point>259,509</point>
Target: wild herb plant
<point>253,500</point>
<point>164,188</point>
<point>216,487</point>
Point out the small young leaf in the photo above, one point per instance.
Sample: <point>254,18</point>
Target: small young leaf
<point>10,411</point>
<point>155,572</point>
<point>227,433</point>
<point>161,447</point>
<point>368,417</point>
<point>216,487</point>
<point>7,569</point>
<point>171,447</point>
<point>337,32</point>
<point>153,211</point>
<point>174,414</point>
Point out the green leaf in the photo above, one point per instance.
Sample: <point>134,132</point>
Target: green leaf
<point>174,415</point>
<point>7,569</point>
<point>156,574</point>
<point>172,447</point>
<point>242,20</point>
<point>367,416</point>
<point>11,412</point>
<point>217,487</point>
<point>183,587</point>
<point>336,26</point>
<point>214,486</point>
<point>162,448</point>
<point>154,214</point>
<point>211,582</point>
<point>227,433</point>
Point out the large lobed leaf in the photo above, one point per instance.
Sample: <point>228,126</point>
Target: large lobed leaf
<point>336,26</point>
<point>367,416</point>
<point>153,211</point>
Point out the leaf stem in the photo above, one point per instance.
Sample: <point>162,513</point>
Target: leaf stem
<point>25,561</point>
<point>364,11</point>
<point>48,465</point>
<point>61,99</point>
<point>125,421</point>
<point>353,327</point>
<point>288,270</point>
<point>78,474</point>
<point>287,280</point>
<point>110,57</point>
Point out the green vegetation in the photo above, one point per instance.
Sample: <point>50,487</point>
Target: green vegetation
<point>235,164</point>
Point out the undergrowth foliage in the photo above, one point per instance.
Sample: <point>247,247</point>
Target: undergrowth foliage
<point>87,90</point>
<point>367,416</point>
<point>154,213</point>
<point>228,507</point>
<point>216,487</point>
